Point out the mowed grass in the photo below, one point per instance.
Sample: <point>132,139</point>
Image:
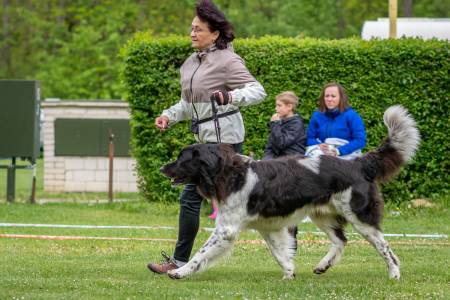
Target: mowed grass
<point>116,269</point>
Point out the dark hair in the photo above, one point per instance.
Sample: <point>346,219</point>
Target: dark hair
<point>208,12</point>
<point>343,98</point>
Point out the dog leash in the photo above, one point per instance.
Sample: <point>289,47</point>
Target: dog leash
<point>215,120</point>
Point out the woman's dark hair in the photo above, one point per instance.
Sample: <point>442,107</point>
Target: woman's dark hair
<point>208,12</point>
<point>343,98</point>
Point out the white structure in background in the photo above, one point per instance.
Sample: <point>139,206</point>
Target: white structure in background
<point>83,174</point>
<point>408,27</point>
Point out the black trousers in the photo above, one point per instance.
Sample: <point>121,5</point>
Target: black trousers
<point>189,218</point>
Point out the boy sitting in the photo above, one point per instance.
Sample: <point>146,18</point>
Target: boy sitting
<point>287,132</point>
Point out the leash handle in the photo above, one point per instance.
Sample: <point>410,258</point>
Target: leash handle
<point>216,120</point>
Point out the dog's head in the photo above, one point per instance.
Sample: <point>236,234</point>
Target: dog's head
<point>200,164</point>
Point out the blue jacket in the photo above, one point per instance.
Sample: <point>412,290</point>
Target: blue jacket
<point>287,137</point>
<point>347,125</point>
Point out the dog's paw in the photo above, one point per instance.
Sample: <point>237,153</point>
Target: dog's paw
<point>319,271</point>
<point>174,274</point>
<point>395,274</point>
<point>289,276</point>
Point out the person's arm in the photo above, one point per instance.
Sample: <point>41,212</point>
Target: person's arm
<point>177,112</point>
<point>284,135</point>
<point>358,136</point>
<point>252,93</point>
<point>244,88</point>
<point>313,132</point>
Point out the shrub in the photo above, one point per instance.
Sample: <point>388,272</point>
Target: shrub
<point>376,74</point>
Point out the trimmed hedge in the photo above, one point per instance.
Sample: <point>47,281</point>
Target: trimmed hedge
<point>376,74</point>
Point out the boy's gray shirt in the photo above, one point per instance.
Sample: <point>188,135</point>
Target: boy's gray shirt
<point>208,71</point>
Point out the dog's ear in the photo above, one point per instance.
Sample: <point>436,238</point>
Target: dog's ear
<point>208,162</point>
<point>205,161</point>
<point>208,178</point>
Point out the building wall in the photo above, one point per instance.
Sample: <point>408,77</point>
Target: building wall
<point>83,174</point>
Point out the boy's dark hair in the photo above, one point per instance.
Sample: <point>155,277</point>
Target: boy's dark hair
<point>208,12</point>
<point>343,98</point>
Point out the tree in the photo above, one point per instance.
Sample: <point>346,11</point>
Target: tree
<point>72,46</point>
<point>407,8</point>
<point>5,38</point>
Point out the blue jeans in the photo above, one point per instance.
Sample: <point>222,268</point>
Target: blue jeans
<point>189,218</point>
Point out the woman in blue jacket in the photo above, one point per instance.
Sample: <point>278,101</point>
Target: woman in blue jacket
<point>335,129</point>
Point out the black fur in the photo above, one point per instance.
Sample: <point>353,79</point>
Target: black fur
<point>279,192</point>
<point>284,185</point>
<point>214,168</point>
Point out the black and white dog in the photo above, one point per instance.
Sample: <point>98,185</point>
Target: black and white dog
<point>271,195</point>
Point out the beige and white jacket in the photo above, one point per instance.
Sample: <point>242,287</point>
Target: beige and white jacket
<point>208,71</point>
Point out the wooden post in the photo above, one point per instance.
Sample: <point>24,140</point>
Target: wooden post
<point>392,19</point>
<point>11,181</point>
<point>33,183</point>
<point>111,165</point>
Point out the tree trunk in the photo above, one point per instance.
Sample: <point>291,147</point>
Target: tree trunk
<point>408,8</point>
<point>5,51</point>
<point>341,19</point>
<point>61,17</point>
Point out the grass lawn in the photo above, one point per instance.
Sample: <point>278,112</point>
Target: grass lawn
<point>105,269</point>
<point>116,269</point>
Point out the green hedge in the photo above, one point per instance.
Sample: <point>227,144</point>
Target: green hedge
<point>376,74</point>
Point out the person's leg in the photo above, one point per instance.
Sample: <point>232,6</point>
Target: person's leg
<point>189,222</point>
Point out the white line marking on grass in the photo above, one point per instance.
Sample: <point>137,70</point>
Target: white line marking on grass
<point>254,242</point>
<point>406,235</point>
<point>85,226</point>
<point>77,237</point>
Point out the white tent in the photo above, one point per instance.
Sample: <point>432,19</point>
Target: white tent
<point>408,27</point>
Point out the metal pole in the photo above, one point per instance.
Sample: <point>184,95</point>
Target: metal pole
<point>11,181</point>
<point>111,165</point>
<point>392,19</point>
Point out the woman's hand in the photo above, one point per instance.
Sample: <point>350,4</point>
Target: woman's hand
<point>221,97</point>
<point>328,150</point>
<point>323,147</point>
<point>162,123</point>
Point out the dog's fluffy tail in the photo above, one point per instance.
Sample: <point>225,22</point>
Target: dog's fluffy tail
<point>397,149</point>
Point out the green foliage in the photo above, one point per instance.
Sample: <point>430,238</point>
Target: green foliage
<point>71,46</point>
<point>376,74</point>
<point>94,44</point>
